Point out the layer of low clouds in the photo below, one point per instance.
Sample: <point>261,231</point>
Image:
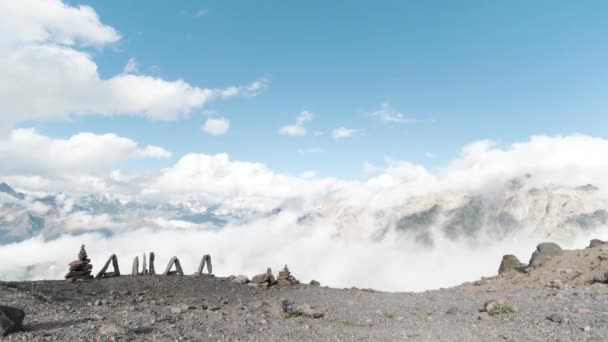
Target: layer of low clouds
<point>338,219</point>
<point>46,72</point>
<point>297,129</point>
<point>216,126</point>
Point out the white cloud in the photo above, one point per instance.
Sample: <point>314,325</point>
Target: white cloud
<point>45,75</point>
<point>27,22</point>
<point>308,174</point>
<point>343,132</point>
<point>216,179</point>
<point>387,114</point>
<point>27,152</point>
<point>202,13</point>
<point>298,129</point>
<point>132,67</point>
<point>217,126</point>
<point>311,150</point>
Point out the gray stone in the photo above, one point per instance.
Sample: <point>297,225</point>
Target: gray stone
<point>135,268</point>
<point>510,263</point>
<point>452,311</point>
<point>111,329</point>
<point>543,252</point>
<point>595,243</point>
<point>240,279</point>
<point>10,319</point>
<point>151,269</point>
<point>557,318</point>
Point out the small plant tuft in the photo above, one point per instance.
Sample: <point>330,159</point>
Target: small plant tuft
<point>500,309</point>
<point>293,314</point>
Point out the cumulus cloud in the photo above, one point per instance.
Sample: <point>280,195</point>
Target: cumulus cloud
<point>27,152</point>
<point>343,132</point>
<point>217,179</point>
<point>216,126</point>
<point>297,129</point>
<point>45,73</point>
<point>387,114</point>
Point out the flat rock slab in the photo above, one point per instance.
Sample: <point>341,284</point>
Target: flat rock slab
<point>10,319</point>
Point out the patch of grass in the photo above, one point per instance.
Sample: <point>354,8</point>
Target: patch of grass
<point>351,324</point>
<point>293,314</point>
<point>500,309</point>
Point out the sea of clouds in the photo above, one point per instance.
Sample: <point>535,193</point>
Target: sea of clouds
<point>327,229</point>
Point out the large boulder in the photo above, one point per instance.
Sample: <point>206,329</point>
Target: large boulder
<point>264,278</point>
<point>510,263</point>
<point>596,242</point>
<point>544,252</point>
<point>10,319</point>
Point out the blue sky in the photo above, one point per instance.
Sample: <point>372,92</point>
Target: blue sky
<point>464,71</point>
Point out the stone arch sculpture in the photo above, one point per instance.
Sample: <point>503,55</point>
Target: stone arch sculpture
<point>178,267</point>
<point>205,260</point>
<point>103,274</point>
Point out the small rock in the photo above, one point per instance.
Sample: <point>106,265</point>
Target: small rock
<point>584,311</point>
<point>240,279</point>
<point>587,328</point>
<point>112,329</point>
<point>452,311</point>
<point>483,316</point>
<point>309,311</point>
<point>556,284</point>
<point>557,318</point>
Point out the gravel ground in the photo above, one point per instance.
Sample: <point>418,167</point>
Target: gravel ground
<point>207,308</point>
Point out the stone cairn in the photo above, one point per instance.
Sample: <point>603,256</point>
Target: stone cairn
<point>81,268</point>
<point>285,278</point>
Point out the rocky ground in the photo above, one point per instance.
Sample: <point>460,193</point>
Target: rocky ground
<point>562,299</point>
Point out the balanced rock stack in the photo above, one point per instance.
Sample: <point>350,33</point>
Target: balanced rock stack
<point>81,268</point>
<point>285,278</point>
